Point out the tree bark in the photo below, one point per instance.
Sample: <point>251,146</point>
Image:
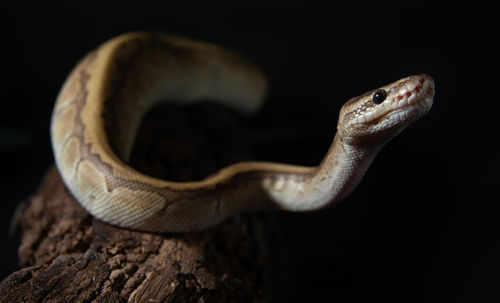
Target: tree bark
<point>66,255</point>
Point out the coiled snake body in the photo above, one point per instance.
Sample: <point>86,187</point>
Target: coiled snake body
<point>113,86</point>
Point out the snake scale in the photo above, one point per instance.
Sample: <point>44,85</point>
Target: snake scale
<point>113,86</point>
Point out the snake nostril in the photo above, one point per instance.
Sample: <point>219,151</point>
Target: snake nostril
<point>379,96</point>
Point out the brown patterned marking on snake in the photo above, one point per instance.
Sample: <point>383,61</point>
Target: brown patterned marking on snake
<point>129,51</point>
<point>106,169</point>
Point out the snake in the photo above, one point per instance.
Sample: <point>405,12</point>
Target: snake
<point>101,104</point>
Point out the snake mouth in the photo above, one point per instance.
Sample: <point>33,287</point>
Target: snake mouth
<point>413,91</point>
<point>411,100</point>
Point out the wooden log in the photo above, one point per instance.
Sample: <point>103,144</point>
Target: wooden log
<point>66,255</point>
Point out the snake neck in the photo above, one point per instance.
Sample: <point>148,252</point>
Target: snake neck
<point>337,175</point>
<point>344,166</point>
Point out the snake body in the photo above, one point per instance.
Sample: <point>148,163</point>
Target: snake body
<point>99,109</point>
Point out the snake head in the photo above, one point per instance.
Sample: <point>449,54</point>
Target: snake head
<point>380,114</point>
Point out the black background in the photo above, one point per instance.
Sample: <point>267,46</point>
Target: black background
<point>423,224</point>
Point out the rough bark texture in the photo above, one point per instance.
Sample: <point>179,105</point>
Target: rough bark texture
<point>68,256</point>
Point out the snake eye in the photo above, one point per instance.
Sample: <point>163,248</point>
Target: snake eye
<point>379,96</point>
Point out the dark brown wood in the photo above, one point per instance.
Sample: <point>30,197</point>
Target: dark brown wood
<point>66,255</point>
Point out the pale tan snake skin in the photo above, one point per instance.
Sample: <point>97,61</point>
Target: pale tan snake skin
<point>112,87</point>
